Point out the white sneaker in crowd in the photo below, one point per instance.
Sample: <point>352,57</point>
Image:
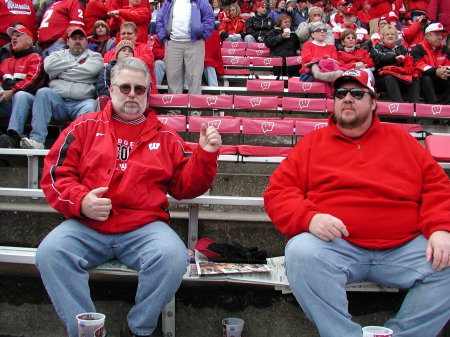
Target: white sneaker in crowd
<point>27,143</point>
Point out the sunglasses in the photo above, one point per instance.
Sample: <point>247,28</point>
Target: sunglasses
<point>320,30</point>
<point>126,89</point>
<point>356,93</point>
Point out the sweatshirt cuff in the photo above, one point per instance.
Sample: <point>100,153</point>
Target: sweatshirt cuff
<point>209,156</point>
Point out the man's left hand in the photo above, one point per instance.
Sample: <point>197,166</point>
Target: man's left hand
<point>438,250</point>
<point>6,96</point>
<point>210,139</point>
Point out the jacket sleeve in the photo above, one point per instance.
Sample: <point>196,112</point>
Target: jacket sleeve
<point>303,32</point>
<point>55,64</point>
<point>273,39</point>
<point>208,20</point>
<point>193,175</point>
<point>250,28</point>
<point>160,22</point>
<point>60,177</point>
<point>285,199</point>
<point>418,54</point>
<point>35,77</point>
<point>380,57</point>
<point>86,69</point>
<point>76,14</point>
<point>139,15</point>
<point>103,80</point>
<point>435,203</point>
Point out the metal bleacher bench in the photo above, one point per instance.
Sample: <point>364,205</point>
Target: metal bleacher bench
<point>26,255</point>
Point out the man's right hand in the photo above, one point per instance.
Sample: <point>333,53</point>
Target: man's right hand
<point>327,227</point>
<point>94,207</point>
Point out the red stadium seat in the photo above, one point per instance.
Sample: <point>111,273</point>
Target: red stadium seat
<point>222,124</point>
<point>304,126</point>
<point>265,85</point>
<point>211,101</point>
<point>269,126</point>
<point>236,61</point>
<point>330,105</point>
<point>293,60</point>
<point>257,52</point>
<point>432,110</point>
<point>255,102</point>
<point>233,51</point>
<point>294,85</point>
<point>267,61</point>
<point>257,45</point>
<point>169,100</point>
<point>176,122</point>
<point>304,104</point>
<point>236,72</point>
<point>234,44</point>
<point>395,109</point>
<point>439,147</point>
<point>408,127</point>
<point>263,151</point>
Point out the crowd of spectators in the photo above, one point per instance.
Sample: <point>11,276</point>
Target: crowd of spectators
<point>48,46</point>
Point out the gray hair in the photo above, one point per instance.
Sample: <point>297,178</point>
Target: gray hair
<point>131,63</point>
<point>315,25</point>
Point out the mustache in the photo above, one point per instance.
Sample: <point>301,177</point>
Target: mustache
<point>130,100</point>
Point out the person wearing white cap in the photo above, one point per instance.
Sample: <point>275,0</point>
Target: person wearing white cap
<point>363,200</point>
<point>432,57</point>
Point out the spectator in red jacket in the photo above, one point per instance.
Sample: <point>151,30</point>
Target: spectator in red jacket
<point>415,32</point>
<point>16,11</point>
<point>95,10</point>
<point>138,12</point>
<point>433,59</point>
<point>128,31</point>
<point>439,11</point>
<point>350,18</point>
<point>233,27</point>
<point>352,57</point>
<point>21,76</point>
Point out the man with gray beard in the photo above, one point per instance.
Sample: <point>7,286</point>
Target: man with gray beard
<point>109,174</point>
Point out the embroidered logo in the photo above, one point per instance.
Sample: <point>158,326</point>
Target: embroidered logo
<point>154,146</point>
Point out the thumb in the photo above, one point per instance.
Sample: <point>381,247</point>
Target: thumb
<point>99,190</point>
<point>429,251</point>
<point>203,129</point>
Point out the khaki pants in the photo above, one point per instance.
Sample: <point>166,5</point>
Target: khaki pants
<point>184,58</point>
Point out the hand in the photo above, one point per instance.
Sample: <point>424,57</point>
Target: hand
<point>95,207</point>
<point>6,95</point>
<point>438,249</point>
<point>442,72</point>
<point>285,35</point>
<point>359,65</point>
<point>400,58</point>
<point>113,14</point>
<point>210,139</point>
<point>327,227</point>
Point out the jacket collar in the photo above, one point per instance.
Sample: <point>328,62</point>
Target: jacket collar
<point>24,52</point>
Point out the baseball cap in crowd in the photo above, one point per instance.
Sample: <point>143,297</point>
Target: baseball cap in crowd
<point>393,16</point>
<point>261,4</point>
<point>357,76</point>
<point>435,27</point>
<point>202,247</point>
<point>288,1</point>
<point>21,30</point>
<point>341,3</point>
<point>124,44</point>
<point>73,29</point>
<point>350,10</point>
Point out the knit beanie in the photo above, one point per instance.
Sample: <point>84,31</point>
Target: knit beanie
<point>124,44</point>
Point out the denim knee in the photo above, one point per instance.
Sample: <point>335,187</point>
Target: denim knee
<point>171,257</point>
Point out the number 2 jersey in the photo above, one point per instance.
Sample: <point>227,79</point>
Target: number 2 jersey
<point>57,18</point>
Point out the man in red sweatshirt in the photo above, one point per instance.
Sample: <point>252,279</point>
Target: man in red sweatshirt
<point>363,200</point>
<point>109,174</point>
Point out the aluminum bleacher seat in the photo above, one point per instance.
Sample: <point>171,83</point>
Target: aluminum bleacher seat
<point>304,104</point>
<point>395,109</point>
<point>265,85</point>
<point>294,85</point>
<point>432,110</point>
<point>439,147</point>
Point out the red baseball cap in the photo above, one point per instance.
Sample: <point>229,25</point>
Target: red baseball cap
<point>202,247</point>
<point>350,10</point>
<point>21,30</point>
<point>341,3</point>
<point>73,29</point>
<point>260,4</point>
<point>393,16</point>
<point>355,75</point>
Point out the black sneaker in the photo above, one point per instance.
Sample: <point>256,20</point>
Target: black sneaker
<point>9,141</point>
<point>125,332</point>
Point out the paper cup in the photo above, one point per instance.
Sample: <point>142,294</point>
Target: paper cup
<point>287,30</point>
<point>90,324</point>
<point>377,331</point>
<point>232,327</point>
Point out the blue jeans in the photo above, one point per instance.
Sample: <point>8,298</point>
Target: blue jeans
<point>211,76</point>
<point>21,107</point>
<point>160,71</point>
<point>318,272</point>
<point>154,250</point>
<point>49,105</point>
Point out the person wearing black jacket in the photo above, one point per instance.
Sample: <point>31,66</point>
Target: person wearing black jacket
<point>258,25</point>
<point>283,42</point>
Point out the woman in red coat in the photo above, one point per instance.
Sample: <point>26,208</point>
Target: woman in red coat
<point>233,27</point>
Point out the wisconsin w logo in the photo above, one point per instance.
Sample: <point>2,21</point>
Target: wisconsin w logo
<point>153,146</point>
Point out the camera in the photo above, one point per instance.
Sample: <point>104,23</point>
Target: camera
<point>424,20</point>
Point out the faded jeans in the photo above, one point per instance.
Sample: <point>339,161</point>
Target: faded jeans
<point>71,249</point>
<point>318,272</point>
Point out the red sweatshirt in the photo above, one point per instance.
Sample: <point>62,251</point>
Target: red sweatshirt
<point>385,187</point>
<point>95,10</point>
